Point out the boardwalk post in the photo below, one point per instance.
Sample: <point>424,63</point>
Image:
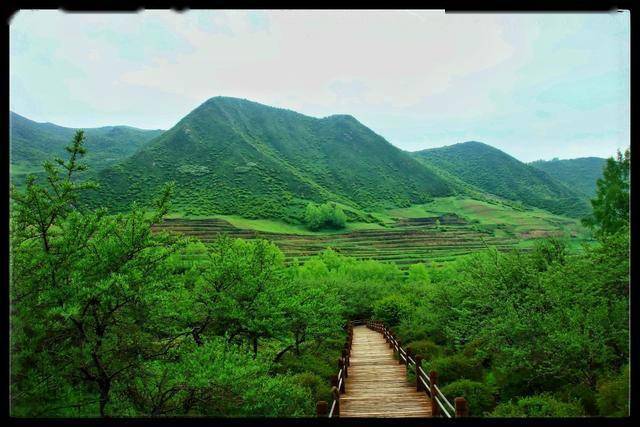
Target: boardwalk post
<point>334,381</point>
<point>400,362</point>
<point>322,408</point>
<point>346,350</point>
<point>462,409</point>
<point>345,360</point>
<point>408,355</point>
<point>336,396</point>
<point>343,368</point>
<point>419,386</point>
<point>435,409</point>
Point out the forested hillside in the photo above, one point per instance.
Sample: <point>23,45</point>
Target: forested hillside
<point>31,143</point>
<point>232,156</point>
<point>495,172</point>
<point>578,174</point>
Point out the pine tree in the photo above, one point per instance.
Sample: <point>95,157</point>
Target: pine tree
<point>611,204</point>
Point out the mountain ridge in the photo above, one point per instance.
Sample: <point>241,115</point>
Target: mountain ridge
<point>242,157</point>
<point>33,142</point>
<point>580,173</point>
<point>496,172</point>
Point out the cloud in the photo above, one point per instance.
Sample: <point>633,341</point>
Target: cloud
<point>417,77</point>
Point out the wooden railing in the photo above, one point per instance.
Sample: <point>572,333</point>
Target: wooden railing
<point>440,405</point>
<point>338,381</point>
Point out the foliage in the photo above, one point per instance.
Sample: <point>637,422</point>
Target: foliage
<point>479,396</point>
<point>83,285</point>
<point>265,162</point>
<point>32,143</point>
<point>495,172</point>
<point>613,395</point>
<point>110,318</point>
<point>427,349</point>
<point>578,174</point>
<point>537,406</point>
<point>391,309</point>
<point>611,204</point>
<point>455,367</point>
<point>327,215</point>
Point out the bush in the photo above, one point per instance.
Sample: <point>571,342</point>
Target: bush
<point>538,406</point>
<point>479,396</point>
<point>613,395</point>
<point>581,393</point>
<point>425,348</point>
<point>319,388</point>
<point>456,367</point>
<point>327,215</point>
<point>391,309</point>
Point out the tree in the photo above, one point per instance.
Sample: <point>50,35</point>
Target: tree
<point>241,292</point>
<point>85,287</point>
<point>313,217</point>
<point>327,215</point>
<point>611,204</point>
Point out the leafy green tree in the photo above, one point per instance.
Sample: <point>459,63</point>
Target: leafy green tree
<point>216,379</point>
<point>313,217</point>
<point>327,215</point>
<point>391,309</point>
<point>241,292</point>
<point>611,204</point>
<point>479,396</point>
<point>85,288</point>
<point>418,273</point>
<point>613,395</point>
<point>542,405</point>
<point>313,312</point>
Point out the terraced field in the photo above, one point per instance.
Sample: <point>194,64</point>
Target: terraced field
<point>408,241</point>
<point>429,233</point>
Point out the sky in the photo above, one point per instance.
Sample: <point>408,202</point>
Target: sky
<point>536,86</point>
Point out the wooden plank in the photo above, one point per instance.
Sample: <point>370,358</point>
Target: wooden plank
<point>377,384</point>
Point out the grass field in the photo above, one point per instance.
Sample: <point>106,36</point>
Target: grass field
<point>436,232</point>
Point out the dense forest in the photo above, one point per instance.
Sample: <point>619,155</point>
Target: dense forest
<point>111,319</point>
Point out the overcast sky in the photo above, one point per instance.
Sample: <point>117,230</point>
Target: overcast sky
<point>534,85</point>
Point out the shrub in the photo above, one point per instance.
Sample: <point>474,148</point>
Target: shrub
<point>542,405</point>
<point>327,215</point>
<point>319,388</point>
<point>613,395</point>
<point>425,348</point>
<point>391,309</point>
<point>581,393</point>
<point>479,396</point>
<point>456,367</point>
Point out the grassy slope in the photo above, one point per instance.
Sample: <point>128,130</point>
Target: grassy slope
<point>236,157</point>
<point>32,143</point>
<point>579,174</point>
<point>485,223</point>
<point>495,172</point>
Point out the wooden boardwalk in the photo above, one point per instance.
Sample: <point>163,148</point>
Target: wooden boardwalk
<point>377,385</point>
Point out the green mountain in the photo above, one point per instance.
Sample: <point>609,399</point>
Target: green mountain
<point>33,142</point>
<point>233,156</point>
<point>579,174</point>
<point>495,172</point>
